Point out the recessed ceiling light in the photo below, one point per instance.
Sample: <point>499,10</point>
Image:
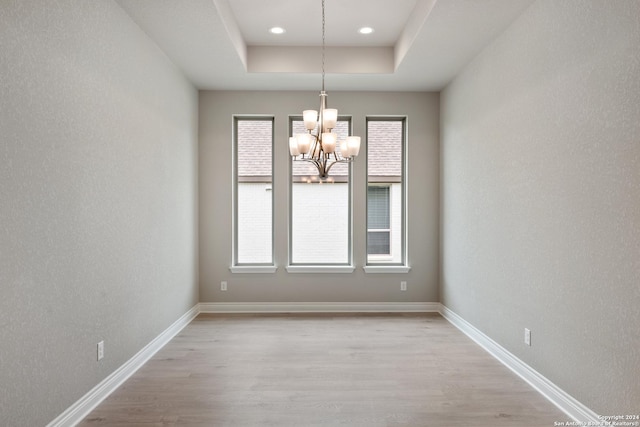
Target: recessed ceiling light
<point>365,30</point>
<point>277,30</point>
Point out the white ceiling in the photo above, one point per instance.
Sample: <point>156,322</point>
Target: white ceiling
<point>417,45</point>
<point>303,21</point>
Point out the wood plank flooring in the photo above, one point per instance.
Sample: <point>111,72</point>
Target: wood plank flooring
<point>323,370</point>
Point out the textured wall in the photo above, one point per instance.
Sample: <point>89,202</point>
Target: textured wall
<point>98,184</point>
<point>541,196</point>
<point>216,111</point>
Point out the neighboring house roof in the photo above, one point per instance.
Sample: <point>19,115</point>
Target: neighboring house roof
<point>384,147</point>
<point>255,147</point>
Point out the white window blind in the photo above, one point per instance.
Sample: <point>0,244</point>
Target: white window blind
<point>378,221</point>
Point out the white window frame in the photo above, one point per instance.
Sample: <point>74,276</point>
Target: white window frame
<point>346,267</point>
<point>237,267</point>
<point>380,263</point>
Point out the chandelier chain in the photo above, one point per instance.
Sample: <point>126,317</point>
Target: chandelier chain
<point>321,148</point>
<point>323,45</point>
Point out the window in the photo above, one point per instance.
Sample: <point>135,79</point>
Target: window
<point>320,211</point>
<point>378,220</point>
<point>253,195</point>
<point>385,190</point>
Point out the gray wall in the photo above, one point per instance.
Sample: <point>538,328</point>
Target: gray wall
<point>541,196</point>
<point>98,185</point>
<point>216,111</point>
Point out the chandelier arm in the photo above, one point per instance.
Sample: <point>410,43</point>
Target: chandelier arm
<point>323,165</point>
<point>317,147</point>
<point>312,148</point>
<point>322,168</point>
<point>317,163</point>
<point>331,165</point>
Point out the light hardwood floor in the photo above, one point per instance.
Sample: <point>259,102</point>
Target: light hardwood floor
<point>323,370</point>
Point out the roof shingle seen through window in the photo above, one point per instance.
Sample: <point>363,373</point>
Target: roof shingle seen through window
<point>254,141</point>
<point>384,149</point>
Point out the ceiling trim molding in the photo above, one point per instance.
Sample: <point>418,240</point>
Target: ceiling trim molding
<point>411,30</point>
<point>338,59</point>
<point>228,20</point>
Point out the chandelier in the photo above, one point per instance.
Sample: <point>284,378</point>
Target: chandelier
<point>319,145</point>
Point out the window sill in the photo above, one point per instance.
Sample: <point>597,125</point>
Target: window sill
<point>253,269</point>
<point>320,268</point>
<point>380,269</point>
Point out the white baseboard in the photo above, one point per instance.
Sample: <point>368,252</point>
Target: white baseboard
<point>79,410</point>
<point>319,307</point>
<point>570,406</point>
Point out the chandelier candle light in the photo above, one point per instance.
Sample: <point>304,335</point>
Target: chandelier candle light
<point>321,147</point>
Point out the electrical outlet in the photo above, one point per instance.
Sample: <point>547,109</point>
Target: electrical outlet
<point>527,336</point>
<point>223,286</point>
<point>403,286</point>
<point>100,350</point>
